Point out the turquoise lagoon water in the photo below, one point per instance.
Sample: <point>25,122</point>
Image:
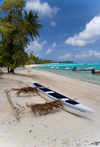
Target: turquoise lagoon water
<point>81,75</point>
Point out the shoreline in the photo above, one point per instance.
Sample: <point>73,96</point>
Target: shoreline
<point>82,79</point>
<point>57,129</point>
<point>71,78</point>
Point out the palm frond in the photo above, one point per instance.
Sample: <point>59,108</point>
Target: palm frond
<point>46,107</point>
<point>33,24</point>
<point>25,90</point>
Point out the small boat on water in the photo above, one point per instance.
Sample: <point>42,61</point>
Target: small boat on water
<point>69,104</point>
<point>57,67</point>
<point>95,71</point>
<point>83,69</point>
<point>51,67</point>
<point>67,68</point>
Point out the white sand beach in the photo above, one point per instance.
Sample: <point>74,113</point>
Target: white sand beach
<point>58,129</point>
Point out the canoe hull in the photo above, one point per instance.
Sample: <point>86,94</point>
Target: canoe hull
<point>77,109</point>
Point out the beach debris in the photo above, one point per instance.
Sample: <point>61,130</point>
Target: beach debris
<point>27,70</point>
<point>40,108</point>
<point>25,90</point>
<point>11,104</point>
<point>30,131</point>
<point>46,107</point>
<point>95,143</point>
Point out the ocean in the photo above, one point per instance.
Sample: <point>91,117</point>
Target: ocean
<point>81,75</point>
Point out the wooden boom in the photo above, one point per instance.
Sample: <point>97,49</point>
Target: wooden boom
<point>12,105</point>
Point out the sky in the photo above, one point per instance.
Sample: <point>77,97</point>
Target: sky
<point>71,30</point>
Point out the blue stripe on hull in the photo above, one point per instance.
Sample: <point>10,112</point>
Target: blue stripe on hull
<point>69,104</point>
<point>75,108</point>
<point>66,104</point>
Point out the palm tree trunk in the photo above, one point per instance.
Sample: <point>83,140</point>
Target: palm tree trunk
<point>12,70</point>
<point>8,69</point>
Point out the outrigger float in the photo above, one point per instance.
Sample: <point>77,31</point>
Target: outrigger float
<point>40,108</point>
<point>69,104</point>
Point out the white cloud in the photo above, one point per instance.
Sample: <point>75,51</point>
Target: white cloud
<point>90,34</point>
<point>52,23</point>
<point>43,9</point>
<point>43,43</point>
<point>64,57</point>
<point>35,46</point>
<point>53,46</point>
<point>48,51</point>
<point>88,54</point>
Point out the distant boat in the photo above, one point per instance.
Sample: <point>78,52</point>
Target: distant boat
<point>67,68</point>
<point>83,69</point>
<point>57,67</point>
<point>95,71</point>
<point>51,67</point>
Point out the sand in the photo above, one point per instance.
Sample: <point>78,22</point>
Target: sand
<point>58,129</point>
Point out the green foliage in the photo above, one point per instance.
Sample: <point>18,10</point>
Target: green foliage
<point>14,31</point>
<point>14,40</point>
<point>65,62</point>
<point>12,10</point>
<point>33,24</point>
<point>4,28</point>
<point>35,60</point>
<point>31,56</point>
<point>1,53</point>
<point>30,61</point>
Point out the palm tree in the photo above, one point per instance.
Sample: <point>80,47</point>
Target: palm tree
<point>33,24</point>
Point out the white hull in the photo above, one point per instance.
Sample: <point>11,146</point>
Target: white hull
<point>84,69</point>
<point>77,109</point>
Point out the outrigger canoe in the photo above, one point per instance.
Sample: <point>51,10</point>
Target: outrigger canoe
<point>69,104</point>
